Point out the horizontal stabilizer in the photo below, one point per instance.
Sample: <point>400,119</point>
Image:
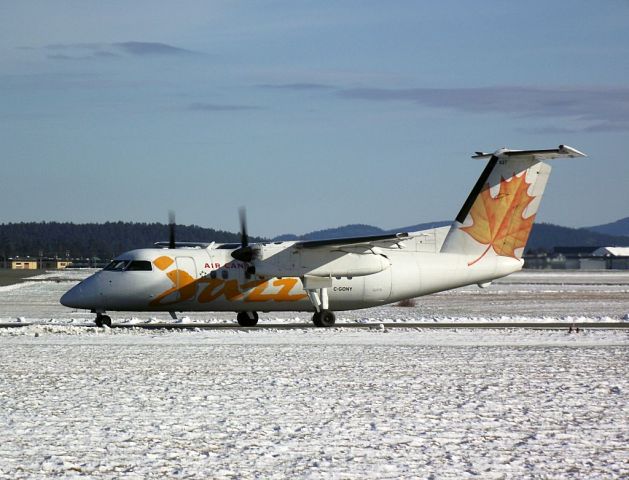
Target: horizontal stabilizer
<point>563,151</point>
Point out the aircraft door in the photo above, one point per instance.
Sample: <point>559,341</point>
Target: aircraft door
<point>186,271</point>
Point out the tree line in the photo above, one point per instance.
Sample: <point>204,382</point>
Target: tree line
<point>102,240</point>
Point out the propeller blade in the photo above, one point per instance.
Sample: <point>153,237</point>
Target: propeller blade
<point>244,239</point>
<point>244,253</point>
<point>171,229</point>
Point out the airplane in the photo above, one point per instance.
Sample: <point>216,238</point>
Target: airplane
<point>485,241</point>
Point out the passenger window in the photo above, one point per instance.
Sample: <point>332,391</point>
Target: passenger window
<point>140,265</point>
<point>213,274</point>
<point>224,274</point>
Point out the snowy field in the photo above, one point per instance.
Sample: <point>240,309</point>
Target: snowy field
<point>79,401</point>
<point>313,404</point>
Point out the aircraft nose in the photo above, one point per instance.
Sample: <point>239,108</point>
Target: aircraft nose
<point>87,294</point>
<point>72,298</point>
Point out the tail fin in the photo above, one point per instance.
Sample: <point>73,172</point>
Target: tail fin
<point>499,212</point>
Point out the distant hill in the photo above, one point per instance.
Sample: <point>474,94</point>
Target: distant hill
<point>544,236</point>
<point>103,240</point>
<point>619,227</point>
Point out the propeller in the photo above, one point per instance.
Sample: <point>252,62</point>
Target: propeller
<point>244,253</point>
<point>244,238</point>
<point>171,229</point>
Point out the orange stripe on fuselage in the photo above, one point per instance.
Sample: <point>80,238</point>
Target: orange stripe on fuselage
<point>211,289</point>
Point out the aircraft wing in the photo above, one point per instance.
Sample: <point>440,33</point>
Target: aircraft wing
<point>183,244</point>
<point>370,241</point>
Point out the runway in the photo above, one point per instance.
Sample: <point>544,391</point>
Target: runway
<point>360,326</point>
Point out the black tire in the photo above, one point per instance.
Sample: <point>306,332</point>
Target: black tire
<point>245,321</point>
<point>327,318</point>
<point>106,319</point>
<point>99,321</point>
<point>316,319</point>
<point>324,318</point>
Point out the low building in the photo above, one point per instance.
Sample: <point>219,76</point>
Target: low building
<point>580,258</point>
<point>55,264</point>
<point>29,263</point>
<point>611,252</point>
<point>23,263</point>
<point>616,258</point>
<point>592,263</point>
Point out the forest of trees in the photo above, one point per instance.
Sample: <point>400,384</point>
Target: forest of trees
<point>103,240</point>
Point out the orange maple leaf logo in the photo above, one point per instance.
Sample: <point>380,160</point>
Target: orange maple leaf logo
<point>499,222</point>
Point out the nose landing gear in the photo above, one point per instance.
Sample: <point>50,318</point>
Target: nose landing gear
<point>102,320</point>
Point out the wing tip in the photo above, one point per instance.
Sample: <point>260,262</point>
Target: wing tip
<point>570,151</point>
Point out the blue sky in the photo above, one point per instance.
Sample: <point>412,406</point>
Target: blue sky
<point>312,114</point>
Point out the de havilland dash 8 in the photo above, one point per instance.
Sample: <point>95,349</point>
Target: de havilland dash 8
<point>485,242</point>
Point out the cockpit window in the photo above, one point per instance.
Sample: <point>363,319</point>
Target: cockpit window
<point>117,265</point>
<point>129,265</point>
<point>140,265</point>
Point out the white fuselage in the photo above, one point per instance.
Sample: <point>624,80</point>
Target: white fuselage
<point>209,279</point>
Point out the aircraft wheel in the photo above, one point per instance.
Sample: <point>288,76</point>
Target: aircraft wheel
<point>324,318</point>
<point>245,321</point>
<point>102,320</point>
<point>316,319</point>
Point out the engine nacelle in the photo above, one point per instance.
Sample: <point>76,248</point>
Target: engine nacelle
<point>346,265</point>
<point>294,262</point>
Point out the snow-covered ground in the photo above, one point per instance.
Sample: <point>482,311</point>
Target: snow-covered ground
<point>101,403</point>
<point>322,403</point>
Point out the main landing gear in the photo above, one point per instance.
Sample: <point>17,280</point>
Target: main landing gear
<point>102,320</point>
<point>324,318</point>
<point>317,290</point>
<point>247,319</point>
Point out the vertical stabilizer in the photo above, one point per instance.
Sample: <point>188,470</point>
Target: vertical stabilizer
<point>497,217</point>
